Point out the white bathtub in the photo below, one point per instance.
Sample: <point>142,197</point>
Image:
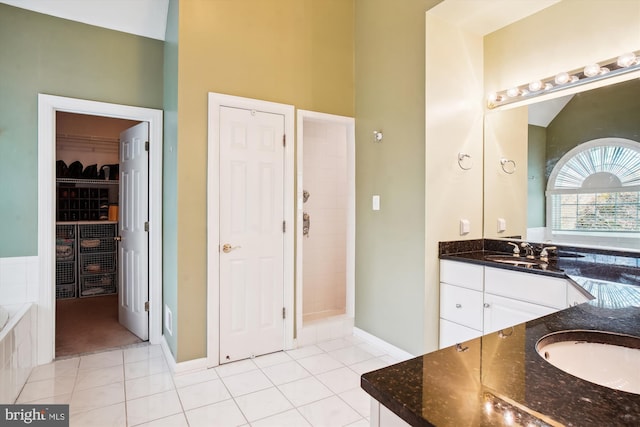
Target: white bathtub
<point>17,350</point>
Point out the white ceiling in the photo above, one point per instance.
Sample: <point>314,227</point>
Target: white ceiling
<point>542,113</point>
<point>146,18</point>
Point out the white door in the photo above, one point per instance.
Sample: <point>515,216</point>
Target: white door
<point>133,254</point>
<point>251,233</point>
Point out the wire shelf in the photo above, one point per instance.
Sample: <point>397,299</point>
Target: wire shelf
<point>65,231</point>
<point>65,272</point>
<point>65,250</point>
<point>97,230</point>
<point>66,291</point>
<point>98,263</point>
<point>106,244</point>
<point>102,284</point>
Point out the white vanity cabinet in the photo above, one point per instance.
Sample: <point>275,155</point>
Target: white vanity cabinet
<point>477,300</point>
<point>501,312</point>
<point>511,297</point>
<point>461,299</point>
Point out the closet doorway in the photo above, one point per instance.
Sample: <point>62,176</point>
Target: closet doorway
<point>150,301</point>
<point>88,271</point>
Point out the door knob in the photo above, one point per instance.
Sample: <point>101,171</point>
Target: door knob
<point>117,238</point>
<point>226,248</point>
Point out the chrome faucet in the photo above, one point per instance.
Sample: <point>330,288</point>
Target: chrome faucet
<point>528,249</point>
<point>516,249</point>
<point>544,254</point>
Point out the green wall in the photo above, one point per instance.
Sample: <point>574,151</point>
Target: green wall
<point>170,173</point>
<point>536,179</point>
<point>610,111</point>
<point>390,243</point>
<point>44,54</point>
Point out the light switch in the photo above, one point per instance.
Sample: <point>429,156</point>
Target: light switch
<point>465,227</point>
<point>375,203</point>
<point>502,225</point>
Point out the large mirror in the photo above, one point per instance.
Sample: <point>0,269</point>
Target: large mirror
<point>566,170</point>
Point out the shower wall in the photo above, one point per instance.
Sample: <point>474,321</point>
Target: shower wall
<point>325,247</point>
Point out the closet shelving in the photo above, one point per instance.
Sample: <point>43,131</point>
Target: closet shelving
<point>86,259</point>
<point>98,256</point>
<point>66,265</point>
<point>82,199</point>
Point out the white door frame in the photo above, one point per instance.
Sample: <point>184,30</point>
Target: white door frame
<point>48,105</point>
<point>349,123</point>
<point>217,100</point>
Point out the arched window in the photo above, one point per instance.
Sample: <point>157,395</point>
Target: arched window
<point>594,191</point>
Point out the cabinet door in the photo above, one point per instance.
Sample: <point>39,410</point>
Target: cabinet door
<point>500,312</point>
<point>461,305</point>
<point>529,287</point>
<point>451,333</point>
<point>462,274</point>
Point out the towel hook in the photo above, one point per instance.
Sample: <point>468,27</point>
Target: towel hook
<point>508,166</point>
<point>464,161</point>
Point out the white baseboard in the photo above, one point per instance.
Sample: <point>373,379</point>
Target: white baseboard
<point>392,350</point>
<point>180,367</point>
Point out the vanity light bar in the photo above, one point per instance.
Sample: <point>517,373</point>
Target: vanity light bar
<point>623,64</point>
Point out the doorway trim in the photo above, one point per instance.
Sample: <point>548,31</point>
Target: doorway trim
<point>349,123</point>
<point>217,100</point>
<point>48,105</point>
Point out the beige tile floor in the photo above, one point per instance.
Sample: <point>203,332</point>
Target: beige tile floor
<point>317,385</point>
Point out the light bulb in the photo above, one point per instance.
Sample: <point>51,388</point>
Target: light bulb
<point>535,86</point>
<point>627,60</point>
<point>562,78</point>
<point>513,92</point>
<point>592,70</point>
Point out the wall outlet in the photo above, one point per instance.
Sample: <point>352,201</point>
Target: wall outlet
<point>168,320</point>
<point>375,202</point>
<point>502,225</point>
<point>465,227</point>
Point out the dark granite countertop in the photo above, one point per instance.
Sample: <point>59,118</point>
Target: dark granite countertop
<point>499,378</point>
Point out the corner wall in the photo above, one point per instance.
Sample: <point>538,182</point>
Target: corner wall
<point>297,52</point>
<point>170,177</point>
<point>454,124</point>
<point>390,257</point>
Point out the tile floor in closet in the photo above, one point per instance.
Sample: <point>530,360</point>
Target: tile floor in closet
<point>316,385</point>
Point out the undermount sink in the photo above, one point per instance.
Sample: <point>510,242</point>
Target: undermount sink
<point>515,260</point>
<point>604,358</point>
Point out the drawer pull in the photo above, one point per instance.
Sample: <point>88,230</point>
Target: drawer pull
<point>503,334</point>
<point>460,348</point>
<point>458,305</point>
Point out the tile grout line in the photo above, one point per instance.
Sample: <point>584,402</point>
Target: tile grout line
<point>344,345</point>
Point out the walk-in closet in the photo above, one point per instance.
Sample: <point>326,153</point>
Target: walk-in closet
<point>87,234</point>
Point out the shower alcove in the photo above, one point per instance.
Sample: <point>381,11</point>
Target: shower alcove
<point>325,227</point>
